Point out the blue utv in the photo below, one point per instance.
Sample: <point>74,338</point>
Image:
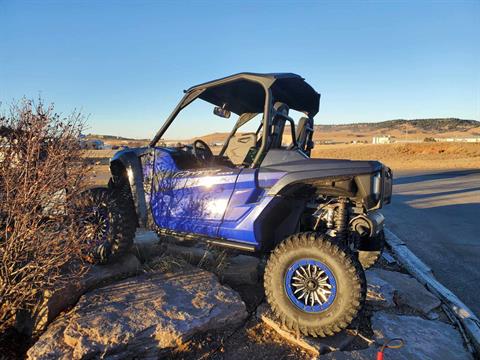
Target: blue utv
<point>256,189</point>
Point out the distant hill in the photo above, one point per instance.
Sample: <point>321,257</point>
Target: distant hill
<point>112,138</point>
<point>415,129</point>
<point>436,125</point>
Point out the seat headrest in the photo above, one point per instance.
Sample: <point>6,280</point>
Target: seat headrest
<point>280,107</point>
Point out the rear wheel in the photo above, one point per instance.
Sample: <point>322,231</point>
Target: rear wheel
<point>314,285</point>
<point>105,225</point>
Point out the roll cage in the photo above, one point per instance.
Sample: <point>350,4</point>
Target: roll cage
<point>249,94</point>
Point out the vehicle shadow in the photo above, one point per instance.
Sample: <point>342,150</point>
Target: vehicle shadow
<point>425,195</point>
<point>401,180</point>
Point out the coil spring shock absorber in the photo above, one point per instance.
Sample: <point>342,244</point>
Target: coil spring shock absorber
<point>341,220</point>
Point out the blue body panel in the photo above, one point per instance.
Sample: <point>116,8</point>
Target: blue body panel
<point>217,202</point>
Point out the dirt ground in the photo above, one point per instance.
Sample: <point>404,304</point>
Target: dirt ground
<point>407,156</point>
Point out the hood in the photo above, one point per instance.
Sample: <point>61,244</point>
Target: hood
<point>289,161</point>
<point>327,165</point>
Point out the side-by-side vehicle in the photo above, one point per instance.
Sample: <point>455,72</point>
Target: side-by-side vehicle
<point>316,220</point>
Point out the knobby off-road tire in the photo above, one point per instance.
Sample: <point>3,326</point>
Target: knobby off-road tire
<point>121,191</point>
<point>106,225</point>
<point>370,250</point>
<point>344,273</point>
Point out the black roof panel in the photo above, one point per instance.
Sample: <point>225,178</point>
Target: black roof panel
<point>244,92</point>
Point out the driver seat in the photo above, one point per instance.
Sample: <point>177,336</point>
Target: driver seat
<point>239,145</point>
<point>281,110</point>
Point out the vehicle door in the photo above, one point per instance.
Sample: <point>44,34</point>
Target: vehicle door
<point>189,201</point>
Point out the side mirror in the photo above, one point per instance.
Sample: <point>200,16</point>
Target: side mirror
<point>220,111</point>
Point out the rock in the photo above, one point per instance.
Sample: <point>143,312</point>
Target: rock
<point>241,270</point>
<point>193,255</point>
<point>127,265</point>
<point>365,354</point>
<point>141,317</point>
<point>51,345</point>
<point>147,245</point>
<point>379,292</point>
<point>63,298</point>
<point>408,291</point>
<point>315,346</point>
<point>144,236</point>
<point>424,339</point>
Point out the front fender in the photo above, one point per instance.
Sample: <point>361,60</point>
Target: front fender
<point>126,163</point>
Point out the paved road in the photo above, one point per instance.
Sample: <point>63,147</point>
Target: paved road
<point>438,215</point>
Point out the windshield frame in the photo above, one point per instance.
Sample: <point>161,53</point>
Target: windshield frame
<point>193,94</point>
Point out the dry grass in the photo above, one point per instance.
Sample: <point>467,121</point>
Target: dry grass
<point>99,154</point>
<point>165,264</point>
<point>428,156</point>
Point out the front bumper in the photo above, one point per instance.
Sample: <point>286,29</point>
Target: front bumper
<point>387,177</point>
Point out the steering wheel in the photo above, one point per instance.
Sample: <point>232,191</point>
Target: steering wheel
<point>201,151</point>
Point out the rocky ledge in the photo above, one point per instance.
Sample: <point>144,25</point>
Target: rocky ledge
<point>141,317</point>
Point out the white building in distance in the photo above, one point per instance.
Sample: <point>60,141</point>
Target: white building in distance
<point>382,139</point>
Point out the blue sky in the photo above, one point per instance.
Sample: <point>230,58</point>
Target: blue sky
<point>125,63</point>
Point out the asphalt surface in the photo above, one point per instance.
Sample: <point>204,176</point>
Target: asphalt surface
<point>438,215</point>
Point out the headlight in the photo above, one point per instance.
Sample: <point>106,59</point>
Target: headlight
<point>377,185</point>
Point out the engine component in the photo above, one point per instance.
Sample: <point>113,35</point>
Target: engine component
<point>370,224</point>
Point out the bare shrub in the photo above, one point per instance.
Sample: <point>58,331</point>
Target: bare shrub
<point>41,173</point>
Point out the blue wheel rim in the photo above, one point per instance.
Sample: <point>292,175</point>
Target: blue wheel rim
<point>321,291</point>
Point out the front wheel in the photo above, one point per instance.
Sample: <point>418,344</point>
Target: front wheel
<point>314,285</point>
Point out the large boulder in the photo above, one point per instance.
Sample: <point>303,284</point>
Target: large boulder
<point>380,293</point>
<point>194,255</point>
<point>364,354</point>
<point>424,339</point>
<point>66,296</point>
<point>141,317</point>
<point>236,270</point>
<point>407,291</point>
<point>241,270</point>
